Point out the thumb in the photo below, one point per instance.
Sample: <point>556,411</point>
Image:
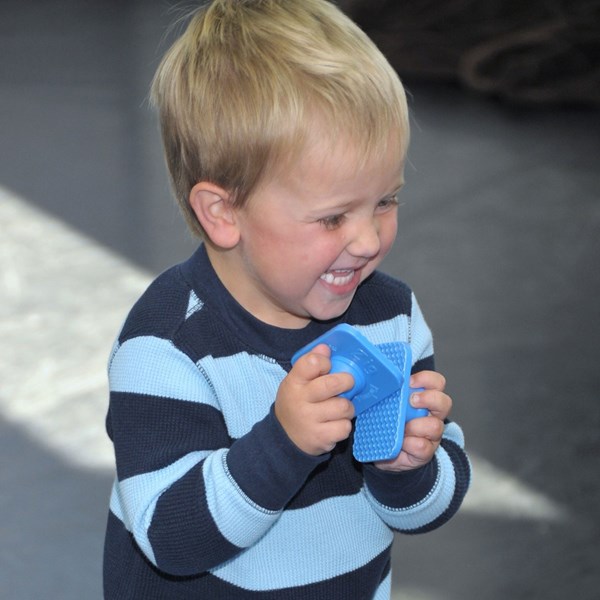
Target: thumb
<point>313,364</point>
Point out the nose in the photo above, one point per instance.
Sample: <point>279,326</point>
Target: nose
<point>365,241</point>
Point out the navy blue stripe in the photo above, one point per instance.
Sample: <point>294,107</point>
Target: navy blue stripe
<point>237,328</point>
<point>150,433</point>
<point>205,336</point>
<point>127,573</point>
<point>268,481</point>
<point>269,468</point>
<point>401,490</point>
<point>129,576</point>
<point>425,364</point>
<point>339,476</point>
<point>379,298</point>
<point>160,310</point>
<point>462,470</point>
<point>184,540</point>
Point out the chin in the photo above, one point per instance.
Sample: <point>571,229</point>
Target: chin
<point>331,313</point>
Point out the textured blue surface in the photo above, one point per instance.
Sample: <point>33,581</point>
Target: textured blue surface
<point>379,431</point>
<point>375,377</point>
<point>380,393</point>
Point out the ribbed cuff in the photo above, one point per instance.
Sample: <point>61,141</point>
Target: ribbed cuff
<point>401,490</point>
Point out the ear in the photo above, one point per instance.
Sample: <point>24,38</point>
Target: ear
<point>213,209</point>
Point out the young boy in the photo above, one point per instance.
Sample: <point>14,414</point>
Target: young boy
<point>285,133</point>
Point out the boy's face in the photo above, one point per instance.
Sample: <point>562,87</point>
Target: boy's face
<point>309,237</point>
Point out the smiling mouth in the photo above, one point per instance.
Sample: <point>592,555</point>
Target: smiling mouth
<point>339,278</point>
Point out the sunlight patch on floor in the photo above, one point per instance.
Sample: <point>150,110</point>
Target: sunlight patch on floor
<point>63,300</point>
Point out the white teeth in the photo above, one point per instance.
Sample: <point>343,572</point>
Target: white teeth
<point>336,279</point>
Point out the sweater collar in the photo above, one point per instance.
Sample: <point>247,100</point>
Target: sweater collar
<point>272,341</point>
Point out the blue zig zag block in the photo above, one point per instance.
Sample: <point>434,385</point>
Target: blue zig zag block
<point>380,393</point>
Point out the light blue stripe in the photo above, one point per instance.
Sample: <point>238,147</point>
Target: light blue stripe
<point>428,509</point>
<point>115,502</point>
<point>454,433</point>
<point>246,386</point>
<point>308,545</point>
<point>384,591</point>
<point>134,499</point>
<point>115,347</point>
<point>420,338</point>
<point>153,366</point>
<point>240,521</point>
<point>402,329</point>
<point>385,332</point>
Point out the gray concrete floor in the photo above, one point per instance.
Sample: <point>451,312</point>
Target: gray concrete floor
<point>499,238</point>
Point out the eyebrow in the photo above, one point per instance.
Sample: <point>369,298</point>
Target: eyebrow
<point>396,190</point>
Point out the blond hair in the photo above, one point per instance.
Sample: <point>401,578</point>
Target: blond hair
<point>239,92</point>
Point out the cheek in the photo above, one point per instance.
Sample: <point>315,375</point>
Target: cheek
<point>266,241</point>
<point>392,237</point>
<point>393,225</point>
<point>312,249</point>
<point>389,230</point>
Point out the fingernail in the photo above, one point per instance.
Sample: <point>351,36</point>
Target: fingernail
<point>415,399</point>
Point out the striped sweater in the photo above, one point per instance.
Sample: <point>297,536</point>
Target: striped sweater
<point>212,499</point>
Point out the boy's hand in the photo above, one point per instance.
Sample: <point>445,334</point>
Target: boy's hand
<point>422,436</point>
<point>308,404</point>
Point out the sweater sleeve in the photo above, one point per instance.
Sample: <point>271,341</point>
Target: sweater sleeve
<point>420,339</point>
<point>424,499</point>
<point>191,496</point>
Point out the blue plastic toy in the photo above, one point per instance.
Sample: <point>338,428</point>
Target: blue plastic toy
<point>380,394</point>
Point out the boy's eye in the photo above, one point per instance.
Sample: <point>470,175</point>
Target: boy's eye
<point>336,221</point>
<point>332,222</point>
<point>388,202</point>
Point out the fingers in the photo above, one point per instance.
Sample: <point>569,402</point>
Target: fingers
<point>437,403</point>
<point>430,429</point>
<point>313,369</point>
<point>422,436</point>
<point>325,436</point>
<point>416,452</point>
<point>430,380</point>
<point>335,409</point>
<point>313,365</point>
<point>433,398</point>
<point>309,406</point>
